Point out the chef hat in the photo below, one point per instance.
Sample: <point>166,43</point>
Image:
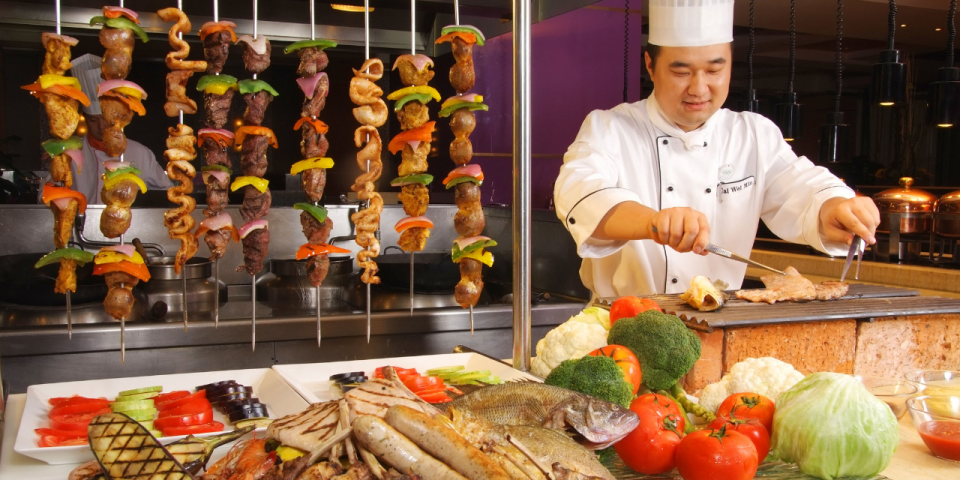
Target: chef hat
<point>87,69</point>
<point>690,23</point>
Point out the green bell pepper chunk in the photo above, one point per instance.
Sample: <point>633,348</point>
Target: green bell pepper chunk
<point>254,86</point>
<point>121,171</point>
<point>121,22</point>
<point>457,253</point>
<point>56,146</point>
<point>319,213</point>
<point>459,180</point>
<point>69,253</point>
<point>446,112</point>
<point>423,98</point>
<point>321,44</point>
<point>464,28</point>
<point>424,178</point>
<point>208,80</point>
<point>222,168</point>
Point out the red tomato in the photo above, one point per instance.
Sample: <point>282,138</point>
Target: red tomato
<point>401,372</point>
<point>64,434</point>
<point>183,420</point>
<point>199,405</point>
<point>435,397</point>
<point>191,429</point>
<point>627,307</point>
<point>710,454</point>
<point>174,403</point>
<point>52,441</point>
<point>626,360</point>
<point>79,405</point>
<point>752,428</point>
<point>166,397</point>
<point>749,405</point>
<point>75,421</point>
<point>418,384</point>
<point>651,447</point>
<point>75,400</point>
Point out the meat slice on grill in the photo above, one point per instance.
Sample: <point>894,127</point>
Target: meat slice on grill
<point>792,287</point>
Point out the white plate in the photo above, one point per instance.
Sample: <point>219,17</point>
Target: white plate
<point>311,380</point>
<point>272,391</point>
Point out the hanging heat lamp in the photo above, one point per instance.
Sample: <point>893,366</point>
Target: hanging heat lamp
<point>835,135</point>
<point>943,95</point>
<point>890,76</point>
<point>788,111</point>
<point>750,102</point>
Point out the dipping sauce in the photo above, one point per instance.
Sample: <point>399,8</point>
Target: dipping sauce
<point>942,438</point>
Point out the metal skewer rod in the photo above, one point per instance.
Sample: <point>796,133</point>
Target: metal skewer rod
<point>123,343</point>
<point>366,29</point>
<point>318,315</point>
<point>183,283</point>
<point>57,7</point>
<point>413,27</point>
<point>216,295</point>
<point>69,317</point>
<point>471,320</point>
<point>254,27</point>
<point>216,11</point>
<point>313,35</point>
<point>253,312</point>
<point>456,12</point>
<point>411,284</point>
<point>368,249</point>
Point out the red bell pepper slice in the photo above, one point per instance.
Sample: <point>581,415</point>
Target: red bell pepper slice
<point>166,397</point>
<point>75,421</point>
<point>76,400</point>
<point>66,434</point>
<point>422,134</point>
<point>192,429</point>
<point>419,384</point>
<point>180,401</point>
<point>308,250</point>
<point>184,420</point>
<point>52,192</point>
<point>401,372</point>
<point>137,270</point>
<point>438,397</point>
<point>318,125</point>
<point>76,406</point>
<point>52,441</point>
<point>193,407</point>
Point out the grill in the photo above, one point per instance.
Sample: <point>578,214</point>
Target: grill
<point>862,301</point>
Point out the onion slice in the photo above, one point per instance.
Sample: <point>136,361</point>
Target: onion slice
<point>126,249</point>
<point>219,131</point>
<point>219,221</point>
<point>220,175</point>
<point>126,11</point>
<point>225,23</point>
<point>414,144</point>
<point>466,97</point>
<point>258,44</point>
<point>63,202</point>
<point>401,225</point>
<point>470,170</point>
<point>107,85</point>
<point>251,226</point>
<point>465,242</point>
<point>47,36</point>
<point>77,157</point>
<point>309,84</point>
<point>419,61</point>
<point>113,165</point>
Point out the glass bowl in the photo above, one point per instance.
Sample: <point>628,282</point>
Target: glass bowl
<point>891,391</point>
<point>936,382</point>
<point>937,420</point>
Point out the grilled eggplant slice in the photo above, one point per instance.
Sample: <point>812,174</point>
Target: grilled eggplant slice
<point>194,453</point>
<point>127,451</point>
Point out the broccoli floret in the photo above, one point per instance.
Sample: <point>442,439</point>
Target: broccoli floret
<point>599,377</point>
<point>664,346</point>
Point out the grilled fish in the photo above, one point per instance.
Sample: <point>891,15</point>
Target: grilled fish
<point>308,429</point>
<point>376,396</point>
<point>705,295</point>
<point>600,423</point>
<point>126,450</point>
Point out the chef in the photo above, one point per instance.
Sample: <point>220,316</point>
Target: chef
<point>646,186</point>
<point>87,69</point>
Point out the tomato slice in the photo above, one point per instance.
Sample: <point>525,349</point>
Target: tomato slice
<point>174,403</point>
<point>401,372</point>
<point>61,433</point>
<point>436,397</point>
<point>79,405</point>
<point>166,397</point>
<point>193,407</point>
<point>184,420</point>
<point>52,441</point>
<point>418,384</point>
<point>75,421</point>
<point>192,429</point>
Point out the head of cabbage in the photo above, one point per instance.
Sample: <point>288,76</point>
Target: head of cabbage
<point>831,426</point>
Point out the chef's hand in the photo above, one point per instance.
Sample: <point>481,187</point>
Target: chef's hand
<point>682,229</point>
<point>841,218</point>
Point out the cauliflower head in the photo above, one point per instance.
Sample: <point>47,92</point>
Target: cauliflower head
<point>572,339</point>
<point>767,376</point>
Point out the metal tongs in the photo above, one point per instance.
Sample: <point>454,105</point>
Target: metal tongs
<point>733,256</point>
<point>857,248</point>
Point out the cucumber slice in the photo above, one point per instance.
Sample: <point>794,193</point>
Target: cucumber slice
<point>119,407</point>
<point>140,390</point>
<point>141,415</point>
<point>443,370</point>
<point>156,433</point>
<point>472,375</point>
<point>136,396</point>
<point>147,424</point>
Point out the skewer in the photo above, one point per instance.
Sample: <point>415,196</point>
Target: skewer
<point>253,312</point>
<point>123,343</point>
<point>471,320</point>
<point>413,51</point>
<point>216,295</point>
<point>313,35</point>
<point>69,307</point>
<point>183,277</point>
<point>456,12</point>
<point>368,249</point>
<point>57,7</point>
<point>411,284</point>
<point>216,12</point>
<point>318,315</point>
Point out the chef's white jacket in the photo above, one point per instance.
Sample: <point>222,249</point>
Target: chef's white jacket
<point>735,169</point>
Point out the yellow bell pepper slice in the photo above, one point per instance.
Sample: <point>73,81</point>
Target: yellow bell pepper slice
<point>456,100</point>
<point>220,88</point>
<point>48,80</point>
<point>130,92</point>
<point>286,453</point>
<point>112,182</point>
<point>481,256</point>
<point>116,257</point>
<point>257,182</point>
<point>315,162</point>
<point>403,92</point>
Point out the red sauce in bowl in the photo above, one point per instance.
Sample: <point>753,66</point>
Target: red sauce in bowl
<point>942,438</point>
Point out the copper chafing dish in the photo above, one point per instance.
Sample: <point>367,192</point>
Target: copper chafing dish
<point>947,220</point>
<point>913,205</point>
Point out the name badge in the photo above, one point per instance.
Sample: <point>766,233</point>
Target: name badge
<point>732,188</point>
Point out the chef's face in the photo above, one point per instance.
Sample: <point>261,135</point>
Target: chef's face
<point>691,83</point>
<point>96,125</point>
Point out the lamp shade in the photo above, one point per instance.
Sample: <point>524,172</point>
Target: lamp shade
<point>943,98</point>
<point>788,117</point>
<point>750,103</point>
<point>889,79</point>
<point>834,139</point>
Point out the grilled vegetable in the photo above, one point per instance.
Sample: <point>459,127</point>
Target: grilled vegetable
<point>126,450</point>
<point>194,453</point>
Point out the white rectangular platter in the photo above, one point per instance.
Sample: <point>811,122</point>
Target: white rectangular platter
<point>311,380</point>
<point>267,385</point>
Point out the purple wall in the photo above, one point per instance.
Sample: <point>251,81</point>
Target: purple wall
<point>577,63</point>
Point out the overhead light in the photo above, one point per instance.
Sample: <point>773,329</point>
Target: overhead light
<point>750,103</point>
<point>936,29</point>
<point>944,125</point>
<point>348,8</point>
<point>788,139</point>
<point>890,76</point>
<point>943,95</point>
<point>835,135</point>
<point>887,104</point>
<point>903,24</point>
<point>788,111</point>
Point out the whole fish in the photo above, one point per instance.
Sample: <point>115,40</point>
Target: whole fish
<point>599,422</point>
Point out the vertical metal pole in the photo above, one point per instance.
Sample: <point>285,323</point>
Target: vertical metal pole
<point>366,29</point>
<point>57,6</point>
<point>216,11</point>
<point>411,284</point>
<point>318,315</point>
<point>413,27</point>
<point>521,184</point>
<point>456,12</point>
<point>216,282</point>
<point>183,284</point>
<point>313,34</point>
<point>253,312</point>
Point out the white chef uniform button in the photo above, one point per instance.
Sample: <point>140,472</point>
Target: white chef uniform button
<point>674,280</point>
<point>709,190</point>
<point>669,188</point>
<point>665,141</point>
